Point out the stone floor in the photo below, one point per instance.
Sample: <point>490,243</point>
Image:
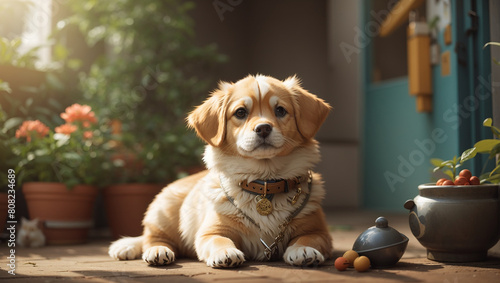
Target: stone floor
<point>90,263</point>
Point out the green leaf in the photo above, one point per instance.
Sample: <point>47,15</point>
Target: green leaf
<point>495,179</point>
<point>29,101</point>
<point>72,156</point>
<point>487,122</point>
<point>495,171</point>
<point>11,123</point>
<point>437,162</point>
<point>42,152</point>
<point>494,151</point>
<point>61,139</point>
<point>485,146</point>
<point>449,173</point>
<point>4,86</point>
<point>468,154</point>
<point>491,43</point>
<point>60,52</point>
<point>449,163</point>
<point>437,169</point>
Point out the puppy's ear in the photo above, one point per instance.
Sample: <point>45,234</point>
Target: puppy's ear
<point>310,111</point>
<point>209,119</point>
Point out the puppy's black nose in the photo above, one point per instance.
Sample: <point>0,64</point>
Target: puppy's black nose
<point>263,130</point>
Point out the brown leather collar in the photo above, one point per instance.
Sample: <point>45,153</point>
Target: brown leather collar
<point>273,187</point>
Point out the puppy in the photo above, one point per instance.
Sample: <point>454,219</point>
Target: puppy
<point>258,200</point>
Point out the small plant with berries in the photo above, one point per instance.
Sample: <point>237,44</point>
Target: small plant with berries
<point>465,177</point>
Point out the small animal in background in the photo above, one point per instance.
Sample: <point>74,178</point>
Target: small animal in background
<point>30,235</point>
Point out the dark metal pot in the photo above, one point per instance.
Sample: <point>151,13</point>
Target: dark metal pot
<point>382,244</point>
<point>456,223</point>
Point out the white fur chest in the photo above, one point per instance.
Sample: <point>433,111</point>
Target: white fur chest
<point>260,227</point>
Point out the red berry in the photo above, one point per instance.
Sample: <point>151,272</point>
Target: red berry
<point>474,180</point>
<point>341,263</point>
<point>465,173</point>
<point>440,181</point>
<point>461,181</point>
<point>448,183</point>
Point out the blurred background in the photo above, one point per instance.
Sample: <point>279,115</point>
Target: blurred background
<point>142,65</point>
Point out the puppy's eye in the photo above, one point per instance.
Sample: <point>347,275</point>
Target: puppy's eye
<point>241,113</point>
<point>280,112</point>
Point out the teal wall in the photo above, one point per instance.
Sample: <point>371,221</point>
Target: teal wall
<point>398,142</point>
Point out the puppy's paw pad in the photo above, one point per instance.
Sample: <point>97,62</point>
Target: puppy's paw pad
<point>124,252</point>
<point>226,258</point>
<point>303,256</point>
<point>158,255</point>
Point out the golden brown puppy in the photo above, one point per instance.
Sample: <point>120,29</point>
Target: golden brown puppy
<point>258,200</point>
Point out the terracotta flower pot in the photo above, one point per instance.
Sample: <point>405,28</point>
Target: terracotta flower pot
<point>66,214</point>
<point>126,205</point>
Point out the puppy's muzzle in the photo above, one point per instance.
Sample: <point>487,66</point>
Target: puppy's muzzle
<point>263,130</point>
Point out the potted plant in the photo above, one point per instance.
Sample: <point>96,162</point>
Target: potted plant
<point>457,219</point>
<point>60,171</point>
<point>140,170</point>
<point>151,76</point>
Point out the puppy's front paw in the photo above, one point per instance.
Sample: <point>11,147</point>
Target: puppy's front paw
<point>231,257</point>
<point>124,249</point>
<point>303,256</point>
<point>158,255</point>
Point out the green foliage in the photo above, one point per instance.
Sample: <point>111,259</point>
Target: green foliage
<point>154,73</point>
<point>487,146</point>
<point>10,55</point>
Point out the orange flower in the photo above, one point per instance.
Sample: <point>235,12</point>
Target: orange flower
<point>77,112</point>
<point>29,128</point>
<point>66,129</point>
<point>88,134</point>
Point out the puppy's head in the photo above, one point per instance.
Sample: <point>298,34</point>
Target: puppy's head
<point>259,117</point>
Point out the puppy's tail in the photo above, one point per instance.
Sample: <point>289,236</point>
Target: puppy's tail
<point>126,248</point>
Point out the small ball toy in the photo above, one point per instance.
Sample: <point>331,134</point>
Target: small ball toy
<point>362,263</point>
<point>341,263</point>
<point>351,255</point>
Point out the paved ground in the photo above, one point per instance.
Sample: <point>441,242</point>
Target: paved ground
<point>90,263</point>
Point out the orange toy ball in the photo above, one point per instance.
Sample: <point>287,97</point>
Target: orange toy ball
<point>465,173</point>
<point>362,263</point>
<point>461,181</point>
<point>474,180</point>
<point>441,181</point>
<point>341,263</point>
<point>351,255</point>
<point>448,183</point>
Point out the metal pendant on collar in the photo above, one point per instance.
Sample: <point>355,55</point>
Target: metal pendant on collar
<point>264,206</point>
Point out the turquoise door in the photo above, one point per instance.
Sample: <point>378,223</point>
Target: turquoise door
<point>398,142</point>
